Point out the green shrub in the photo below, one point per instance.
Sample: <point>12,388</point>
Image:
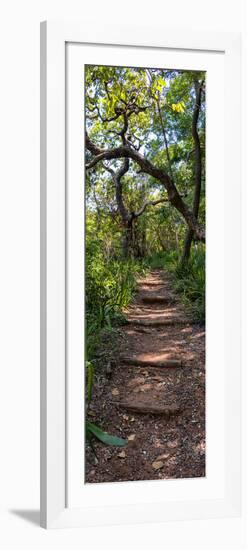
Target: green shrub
<point>189,279</point>
<point>110,285</point>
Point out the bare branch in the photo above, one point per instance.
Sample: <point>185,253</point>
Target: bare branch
<point>109,169</point>
<point>124,168</point>
<point>148,203</point>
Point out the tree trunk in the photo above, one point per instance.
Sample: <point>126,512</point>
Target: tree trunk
<point>187,245</point>
<point>139,240</point>
<point>134,241</point>
<point>128,240</point>
<point>197,171</point>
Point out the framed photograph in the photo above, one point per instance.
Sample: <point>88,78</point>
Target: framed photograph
<point>140,275</point>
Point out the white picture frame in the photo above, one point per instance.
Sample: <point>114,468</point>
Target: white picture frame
<point>55,511</point>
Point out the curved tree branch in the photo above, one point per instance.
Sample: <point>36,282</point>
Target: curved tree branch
<point>148,203</point>
<point>174,197</point>
<point>116,176</point>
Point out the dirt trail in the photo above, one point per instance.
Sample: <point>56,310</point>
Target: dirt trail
<point>155,392</point>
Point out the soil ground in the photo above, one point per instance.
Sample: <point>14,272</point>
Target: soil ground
<point>171,442</point>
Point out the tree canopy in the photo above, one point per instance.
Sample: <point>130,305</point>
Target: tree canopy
<point>145,155</point>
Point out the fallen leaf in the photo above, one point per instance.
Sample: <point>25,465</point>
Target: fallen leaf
<point>115,391</point>
<point>131,437</point>
<point>157,465</point>
<point>91,413</point>
<point>122,454</point>
<point>132,419</point>
<point>162,457</point>
<point>125,417</point>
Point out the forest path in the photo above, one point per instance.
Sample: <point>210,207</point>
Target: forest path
<point>155,396</point>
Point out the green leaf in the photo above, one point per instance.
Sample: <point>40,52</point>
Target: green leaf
<point>161,83</point>
<point>90,376</point>
<point>104,437</point>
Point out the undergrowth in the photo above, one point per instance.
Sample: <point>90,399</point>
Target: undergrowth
<point>188,278</point>
<point>110,286</point>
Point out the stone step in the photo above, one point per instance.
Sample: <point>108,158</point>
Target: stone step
<point>154,311</point>
<point>151,360</point>
<point>148,408</point>
<point>158,299</point>
<point>155,283</point>
<point>142,330</point>
<point>159,322</point>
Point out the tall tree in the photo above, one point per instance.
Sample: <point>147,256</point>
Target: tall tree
<point>128,217</point>
<point>197,167</point>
